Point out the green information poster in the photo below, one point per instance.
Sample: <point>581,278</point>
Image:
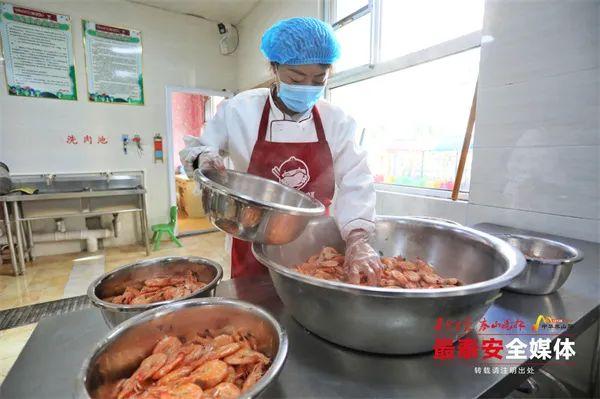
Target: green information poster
<point>113,58</point>
<point>38,53</point>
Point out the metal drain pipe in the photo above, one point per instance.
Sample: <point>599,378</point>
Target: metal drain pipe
<point>90,236</point>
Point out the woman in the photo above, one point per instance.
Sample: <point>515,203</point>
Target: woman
<point>287,133</point>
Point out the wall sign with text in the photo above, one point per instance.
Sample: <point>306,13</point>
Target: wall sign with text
<point>113,58</point>
<point>38,53</point>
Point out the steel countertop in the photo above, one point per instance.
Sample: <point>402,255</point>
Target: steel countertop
<point>50,362</point>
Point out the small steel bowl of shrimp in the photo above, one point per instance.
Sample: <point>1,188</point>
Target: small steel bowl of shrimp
<point>134,288</point>
<point>195,349</point>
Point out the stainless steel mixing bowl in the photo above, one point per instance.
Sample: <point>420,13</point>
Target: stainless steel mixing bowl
<point>438,219</point>
<point>255,209</point>
<point>549,264</point>
<point>118,354</point>
<point>114,283</point>
<point>393,321</point>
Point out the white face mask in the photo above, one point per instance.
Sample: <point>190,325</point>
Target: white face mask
<point>299,98</point>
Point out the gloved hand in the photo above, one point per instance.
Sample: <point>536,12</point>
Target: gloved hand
<point>210,160</point>
<point>361,259</point>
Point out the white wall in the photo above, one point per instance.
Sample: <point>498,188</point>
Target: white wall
<point>537,135</point>
<point>535,161</point>
<point>252,67</point>
<point>177,50</point>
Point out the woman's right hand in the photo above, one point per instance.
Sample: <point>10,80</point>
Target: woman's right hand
<point>210,160</point>
<point>361,259</point>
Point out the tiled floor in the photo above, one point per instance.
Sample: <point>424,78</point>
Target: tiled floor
<point>46,277</point>
<point>60,276</point>
<point>11,344</point>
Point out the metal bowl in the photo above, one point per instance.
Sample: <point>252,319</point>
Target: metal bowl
<point>118,354</point>
<point>114,283</point>
<point>393,321</point>
<point>549,264</point>
<point>255,209</point>
<point>438,219</point>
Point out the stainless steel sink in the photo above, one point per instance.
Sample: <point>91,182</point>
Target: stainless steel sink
<point>74,183</point>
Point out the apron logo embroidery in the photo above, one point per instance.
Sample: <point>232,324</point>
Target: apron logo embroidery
<point>293,172</point>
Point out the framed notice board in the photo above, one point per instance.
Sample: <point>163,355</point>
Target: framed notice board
<point>38,51</point>
<point>113,57</point>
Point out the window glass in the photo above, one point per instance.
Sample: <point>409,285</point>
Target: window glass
<point>343,8</point>
<point>355,42</point>
<point>414,120</point>
<point>411,25</point>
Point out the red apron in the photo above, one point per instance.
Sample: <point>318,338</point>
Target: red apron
<point>304,166</point>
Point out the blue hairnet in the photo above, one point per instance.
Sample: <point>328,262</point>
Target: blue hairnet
<point>300,41</point>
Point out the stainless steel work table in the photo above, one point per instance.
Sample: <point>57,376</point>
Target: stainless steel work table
<point>50,362</point>
<point>18,257</point>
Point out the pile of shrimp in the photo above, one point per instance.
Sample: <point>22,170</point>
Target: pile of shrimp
<point>397,272</point>
<point>162,288</point>
<point>210,366</point>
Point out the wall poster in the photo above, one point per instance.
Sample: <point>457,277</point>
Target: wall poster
<point>38,51</point>
<point>113,58</point>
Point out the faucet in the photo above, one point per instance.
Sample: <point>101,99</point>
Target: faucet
<point>50,179</point>
<point>108,176</point>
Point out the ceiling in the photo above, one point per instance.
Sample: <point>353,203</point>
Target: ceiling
<point>231,11</point>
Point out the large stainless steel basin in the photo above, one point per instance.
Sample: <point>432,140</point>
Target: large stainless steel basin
<point>393,321</point>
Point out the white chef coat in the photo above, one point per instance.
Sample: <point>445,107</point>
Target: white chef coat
<point>234,130</point>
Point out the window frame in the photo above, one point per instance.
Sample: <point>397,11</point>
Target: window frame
<point>376,68</point>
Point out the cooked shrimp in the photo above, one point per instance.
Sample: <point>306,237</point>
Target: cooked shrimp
<point>167,345</point>
<point>412,276</point>
<point>226,350</point>
<point>225,364</point>
<point>225,390</point>
<point>183,391</point>
<point>328,263</point>
<point>253,377</point>
<point>149,366</point>
<point>231,374</point>
<point>431,278</point>
<point>389,262</point>
<point>146,298</point>
<point>164,288</point>
<point>422,265</point>
<point>399,277</point>
<point>407,266</point>
<point>195,354</point>
<point>210,373</point>
<point>173,361</point>
<point>175,375</point>
<point>222,340</point>
<point>158,282</point>
<point>328,253</point>
<point>246,356</point>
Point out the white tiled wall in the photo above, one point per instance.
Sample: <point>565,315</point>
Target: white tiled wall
<point>537,135</point>
<point>390,203</point>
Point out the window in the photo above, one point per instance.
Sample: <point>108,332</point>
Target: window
<point>411,89</point>
<point>409,26</point>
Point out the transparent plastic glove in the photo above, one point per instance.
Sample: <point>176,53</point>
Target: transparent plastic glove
<point>361,259</point>
<point>210,160</point>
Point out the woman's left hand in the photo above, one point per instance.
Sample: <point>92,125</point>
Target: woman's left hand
<point>361,259</point>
